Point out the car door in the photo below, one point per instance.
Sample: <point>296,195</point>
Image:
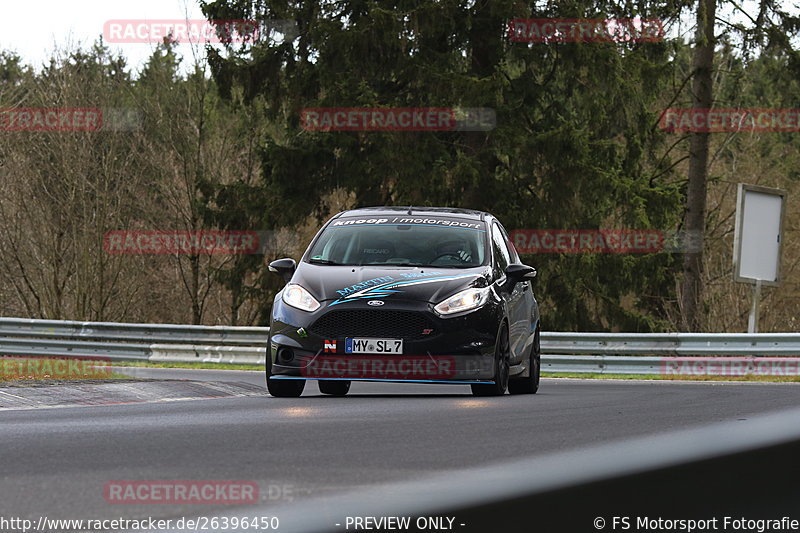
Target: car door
<point>518,311</point>
<point>529,309</point>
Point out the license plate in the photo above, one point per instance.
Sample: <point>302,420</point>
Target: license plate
<point>359,345</point>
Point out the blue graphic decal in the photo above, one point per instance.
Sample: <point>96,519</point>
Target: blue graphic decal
<point>389,287</point>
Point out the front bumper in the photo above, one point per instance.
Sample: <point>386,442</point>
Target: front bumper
<point>457,349</point>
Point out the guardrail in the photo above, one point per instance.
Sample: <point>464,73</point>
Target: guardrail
<point>672,344</point>
<point>650,353</point>
<point>136,333</point>
<point>617,353</point>
<point>133,342</point>
<point>602,364</point>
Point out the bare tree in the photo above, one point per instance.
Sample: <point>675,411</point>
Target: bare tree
<point>63,189</point>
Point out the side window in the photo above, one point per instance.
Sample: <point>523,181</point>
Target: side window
<point>510,245</point>
<point>502,257</point>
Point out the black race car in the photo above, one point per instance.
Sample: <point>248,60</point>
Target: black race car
<point>426,295</point>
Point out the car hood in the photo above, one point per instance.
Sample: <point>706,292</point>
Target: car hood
<point>343,284</point>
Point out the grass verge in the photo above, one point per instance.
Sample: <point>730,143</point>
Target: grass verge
<point>61,369</point>
<point>214,366</point>
<point>44,368</point>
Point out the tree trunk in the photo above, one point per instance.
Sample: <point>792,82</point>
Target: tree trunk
<point>485,40</point>
<point>694,221</point>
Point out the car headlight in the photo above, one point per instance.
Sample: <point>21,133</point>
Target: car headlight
<point>466,300</point>
<point>298,297</point>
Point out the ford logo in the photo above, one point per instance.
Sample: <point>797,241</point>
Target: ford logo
<point>375,302</point>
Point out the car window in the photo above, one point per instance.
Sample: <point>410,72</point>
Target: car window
<point>392,244</point>
<point>500,250</point>
<point>510,245</point>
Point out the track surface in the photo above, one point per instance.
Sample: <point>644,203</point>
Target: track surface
<point>56,461</point>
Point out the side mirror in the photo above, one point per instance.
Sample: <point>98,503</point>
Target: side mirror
<point>518,272</point>
<point>284,267</point>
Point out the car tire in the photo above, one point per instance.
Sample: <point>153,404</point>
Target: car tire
<point>530,384</point>
<point>334,387</point>
<point>501,352</point>
<point>283,388</point>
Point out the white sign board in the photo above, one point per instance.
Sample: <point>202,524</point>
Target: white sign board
<point>758,237</point>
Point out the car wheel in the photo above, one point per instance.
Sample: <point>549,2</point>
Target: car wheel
<point>530,384</point>
<point>501,352</point>
<point>334,388</point>
<point>283,388</point>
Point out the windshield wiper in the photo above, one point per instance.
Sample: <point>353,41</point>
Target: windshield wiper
<point>318,261</point>
<point>397,264</point>
<point>423,265</point>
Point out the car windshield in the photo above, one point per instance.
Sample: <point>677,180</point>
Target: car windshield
<point>413,244</point>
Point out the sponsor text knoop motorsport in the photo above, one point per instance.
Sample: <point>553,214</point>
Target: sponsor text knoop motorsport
<point>407,220</point>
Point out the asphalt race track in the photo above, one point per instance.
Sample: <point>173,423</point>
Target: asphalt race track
<point>56,461</point>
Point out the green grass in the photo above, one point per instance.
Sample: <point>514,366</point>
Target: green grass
<point>227,366</point>
<point>658,377</point>
<point>44,369</point>
<point>215,366</point>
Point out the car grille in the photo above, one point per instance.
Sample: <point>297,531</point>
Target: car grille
<point>373,323</point>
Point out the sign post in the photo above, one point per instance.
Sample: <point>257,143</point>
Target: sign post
<point>758,240</point>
